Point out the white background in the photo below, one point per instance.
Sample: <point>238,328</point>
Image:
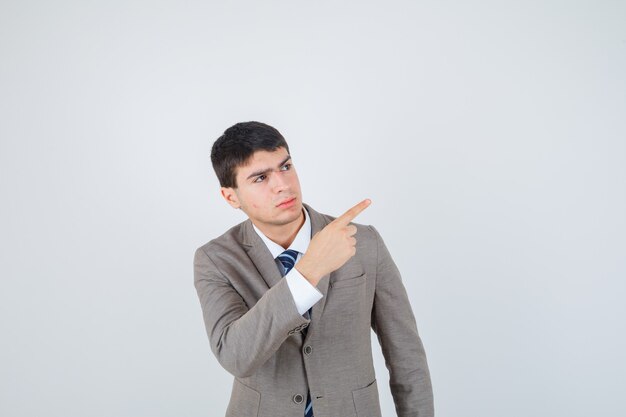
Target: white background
<point>490,136</point>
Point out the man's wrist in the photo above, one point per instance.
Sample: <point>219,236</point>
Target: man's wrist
<point>308,271</point>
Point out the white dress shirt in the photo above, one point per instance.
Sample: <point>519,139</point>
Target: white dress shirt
<point>304,293</point>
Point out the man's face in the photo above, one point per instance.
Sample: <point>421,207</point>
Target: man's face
<point>268,189</point>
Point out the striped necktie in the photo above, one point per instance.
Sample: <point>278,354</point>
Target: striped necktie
<point>288,260</point>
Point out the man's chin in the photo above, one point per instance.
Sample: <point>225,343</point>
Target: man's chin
<point>291,216</point>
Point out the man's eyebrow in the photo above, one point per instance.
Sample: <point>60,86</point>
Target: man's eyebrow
<point>266,170</point>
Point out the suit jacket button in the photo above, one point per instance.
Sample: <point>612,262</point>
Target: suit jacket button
<point>308,349</point>
<point>298,399</point>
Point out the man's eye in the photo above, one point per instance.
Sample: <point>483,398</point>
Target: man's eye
<point>260,177</point>
<point>286,167</point>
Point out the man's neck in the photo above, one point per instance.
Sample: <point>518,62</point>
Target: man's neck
<point>285,234</point>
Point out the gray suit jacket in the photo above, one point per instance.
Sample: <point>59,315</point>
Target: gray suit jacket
<point>255,329</point>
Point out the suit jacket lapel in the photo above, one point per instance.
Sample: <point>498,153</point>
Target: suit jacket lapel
<point>260,255</point>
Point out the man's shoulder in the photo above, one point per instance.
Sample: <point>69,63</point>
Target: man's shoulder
<point>229,240</point>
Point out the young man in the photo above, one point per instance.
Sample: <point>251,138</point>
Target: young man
<point>289,296</point>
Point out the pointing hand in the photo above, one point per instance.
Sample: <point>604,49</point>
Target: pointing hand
<point>332,246</point>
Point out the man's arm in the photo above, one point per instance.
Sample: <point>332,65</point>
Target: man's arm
<point>243,338</point>
<point>394,324</point>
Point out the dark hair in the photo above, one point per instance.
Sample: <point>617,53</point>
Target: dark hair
<point>238,143</point>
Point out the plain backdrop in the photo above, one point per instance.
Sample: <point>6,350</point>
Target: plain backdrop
<point>490,136</point>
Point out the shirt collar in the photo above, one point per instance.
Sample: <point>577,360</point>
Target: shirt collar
<point>299,244</point>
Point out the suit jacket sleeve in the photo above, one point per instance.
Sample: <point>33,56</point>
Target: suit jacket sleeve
<point>394,324</point>
<point>242,338</point>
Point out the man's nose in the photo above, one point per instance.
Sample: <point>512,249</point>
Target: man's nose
<point>278,182</point>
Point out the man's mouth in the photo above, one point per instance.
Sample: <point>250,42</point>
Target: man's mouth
<point>286,202</point>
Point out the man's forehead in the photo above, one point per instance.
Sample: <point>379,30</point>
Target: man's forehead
<point>263,159</point>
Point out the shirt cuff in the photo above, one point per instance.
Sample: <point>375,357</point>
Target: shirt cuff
<point>304,294</point>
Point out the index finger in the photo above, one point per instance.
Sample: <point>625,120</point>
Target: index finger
<point>349,215</point>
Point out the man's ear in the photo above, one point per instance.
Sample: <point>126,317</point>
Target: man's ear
<point>230,196</point>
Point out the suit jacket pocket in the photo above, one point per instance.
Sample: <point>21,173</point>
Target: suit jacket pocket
<point>244,401</point>
<point>348,282</point>
<point>366,401</point>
